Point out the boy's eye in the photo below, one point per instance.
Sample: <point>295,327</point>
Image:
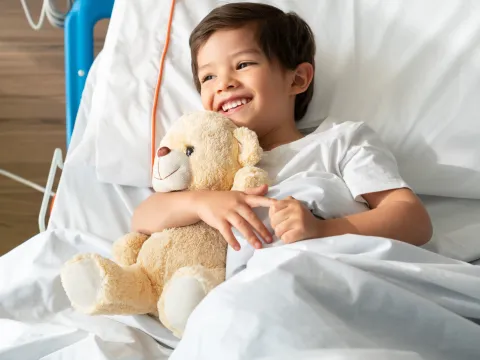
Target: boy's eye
<point>206,78</point>
<point>244,65</point>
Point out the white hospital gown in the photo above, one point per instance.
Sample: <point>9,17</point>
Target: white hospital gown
<point>328,170</point>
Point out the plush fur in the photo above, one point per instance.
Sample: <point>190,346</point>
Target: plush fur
<point>168,273</point>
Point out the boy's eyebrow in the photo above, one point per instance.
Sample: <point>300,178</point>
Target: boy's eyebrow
<point>238,53</point>
<point>247,51</point>
<point>204,66</point>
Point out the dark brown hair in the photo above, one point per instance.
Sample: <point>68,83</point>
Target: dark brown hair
<point>282,36</point>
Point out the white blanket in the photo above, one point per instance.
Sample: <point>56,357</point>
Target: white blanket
<point>347,297</point>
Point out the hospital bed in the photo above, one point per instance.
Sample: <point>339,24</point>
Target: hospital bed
<point>375,299</point>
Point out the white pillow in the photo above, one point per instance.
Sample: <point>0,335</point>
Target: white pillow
<point>415,79</point>
<point>409,69</point>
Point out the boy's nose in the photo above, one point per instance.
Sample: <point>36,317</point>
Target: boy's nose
<point>228,84</point>
<point>163,151</point>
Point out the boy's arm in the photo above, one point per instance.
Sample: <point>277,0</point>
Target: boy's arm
<point>220,209</point>
<point>396,214</point>
<point>164,210</point>
<point>368,167</point>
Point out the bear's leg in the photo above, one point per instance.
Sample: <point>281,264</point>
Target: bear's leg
<point>126,248</point>
<point>183,292</point>
<point>96,285</point>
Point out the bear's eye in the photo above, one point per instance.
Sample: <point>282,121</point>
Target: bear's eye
<point>189,150</point>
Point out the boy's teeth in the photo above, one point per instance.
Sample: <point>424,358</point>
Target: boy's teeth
<point>233,104</point>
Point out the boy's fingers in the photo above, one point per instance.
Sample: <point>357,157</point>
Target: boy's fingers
<point>283,227</point>
<point>241,225</point>
<point>271,213</point>
<point>256,224</point>
<point>227,234</point>
<point>259,190</point>
<point>291,236</point>
<point>259,201</point>
<point>280,205</point>
<point>279,216</point>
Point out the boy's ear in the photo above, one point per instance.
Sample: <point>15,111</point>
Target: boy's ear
<point>302,78</point>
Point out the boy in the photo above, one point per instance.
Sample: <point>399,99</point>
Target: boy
<point>255,64</point>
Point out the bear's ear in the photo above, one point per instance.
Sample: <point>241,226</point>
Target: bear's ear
<point>250,152</point>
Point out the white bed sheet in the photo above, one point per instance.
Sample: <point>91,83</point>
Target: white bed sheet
<point>456,224</point>
<point>36,320</point>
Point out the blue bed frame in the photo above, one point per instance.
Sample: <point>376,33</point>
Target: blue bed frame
<point>79,26</point>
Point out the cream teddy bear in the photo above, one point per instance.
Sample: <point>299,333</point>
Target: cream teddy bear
<point>168,273</point>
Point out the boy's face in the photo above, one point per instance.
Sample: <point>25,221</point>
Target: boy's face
<point>239,81</point>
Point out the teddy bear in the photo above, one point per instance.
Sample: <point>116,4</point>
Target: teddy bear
<point>168,273</point>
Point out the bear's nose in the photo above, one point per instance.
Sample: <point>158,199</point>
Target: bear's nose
<point>163,151</point>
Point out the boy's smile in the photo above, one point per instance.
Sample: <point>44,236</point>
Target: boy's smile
<point>234,103</point>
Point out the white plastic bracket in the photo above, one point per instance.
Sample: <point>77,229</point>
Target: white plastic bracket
<point>57,162</point>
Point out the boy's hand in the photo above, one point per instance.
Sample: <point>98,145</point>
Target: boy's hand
<point>292,221</point>
<point>226,209</point>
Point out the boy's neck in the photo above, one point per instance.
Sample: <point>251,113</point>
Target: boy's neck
<point>281,135</point>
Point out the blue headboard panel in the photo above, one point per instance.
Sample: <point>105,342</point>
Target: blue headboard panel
<point>79,25</point>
